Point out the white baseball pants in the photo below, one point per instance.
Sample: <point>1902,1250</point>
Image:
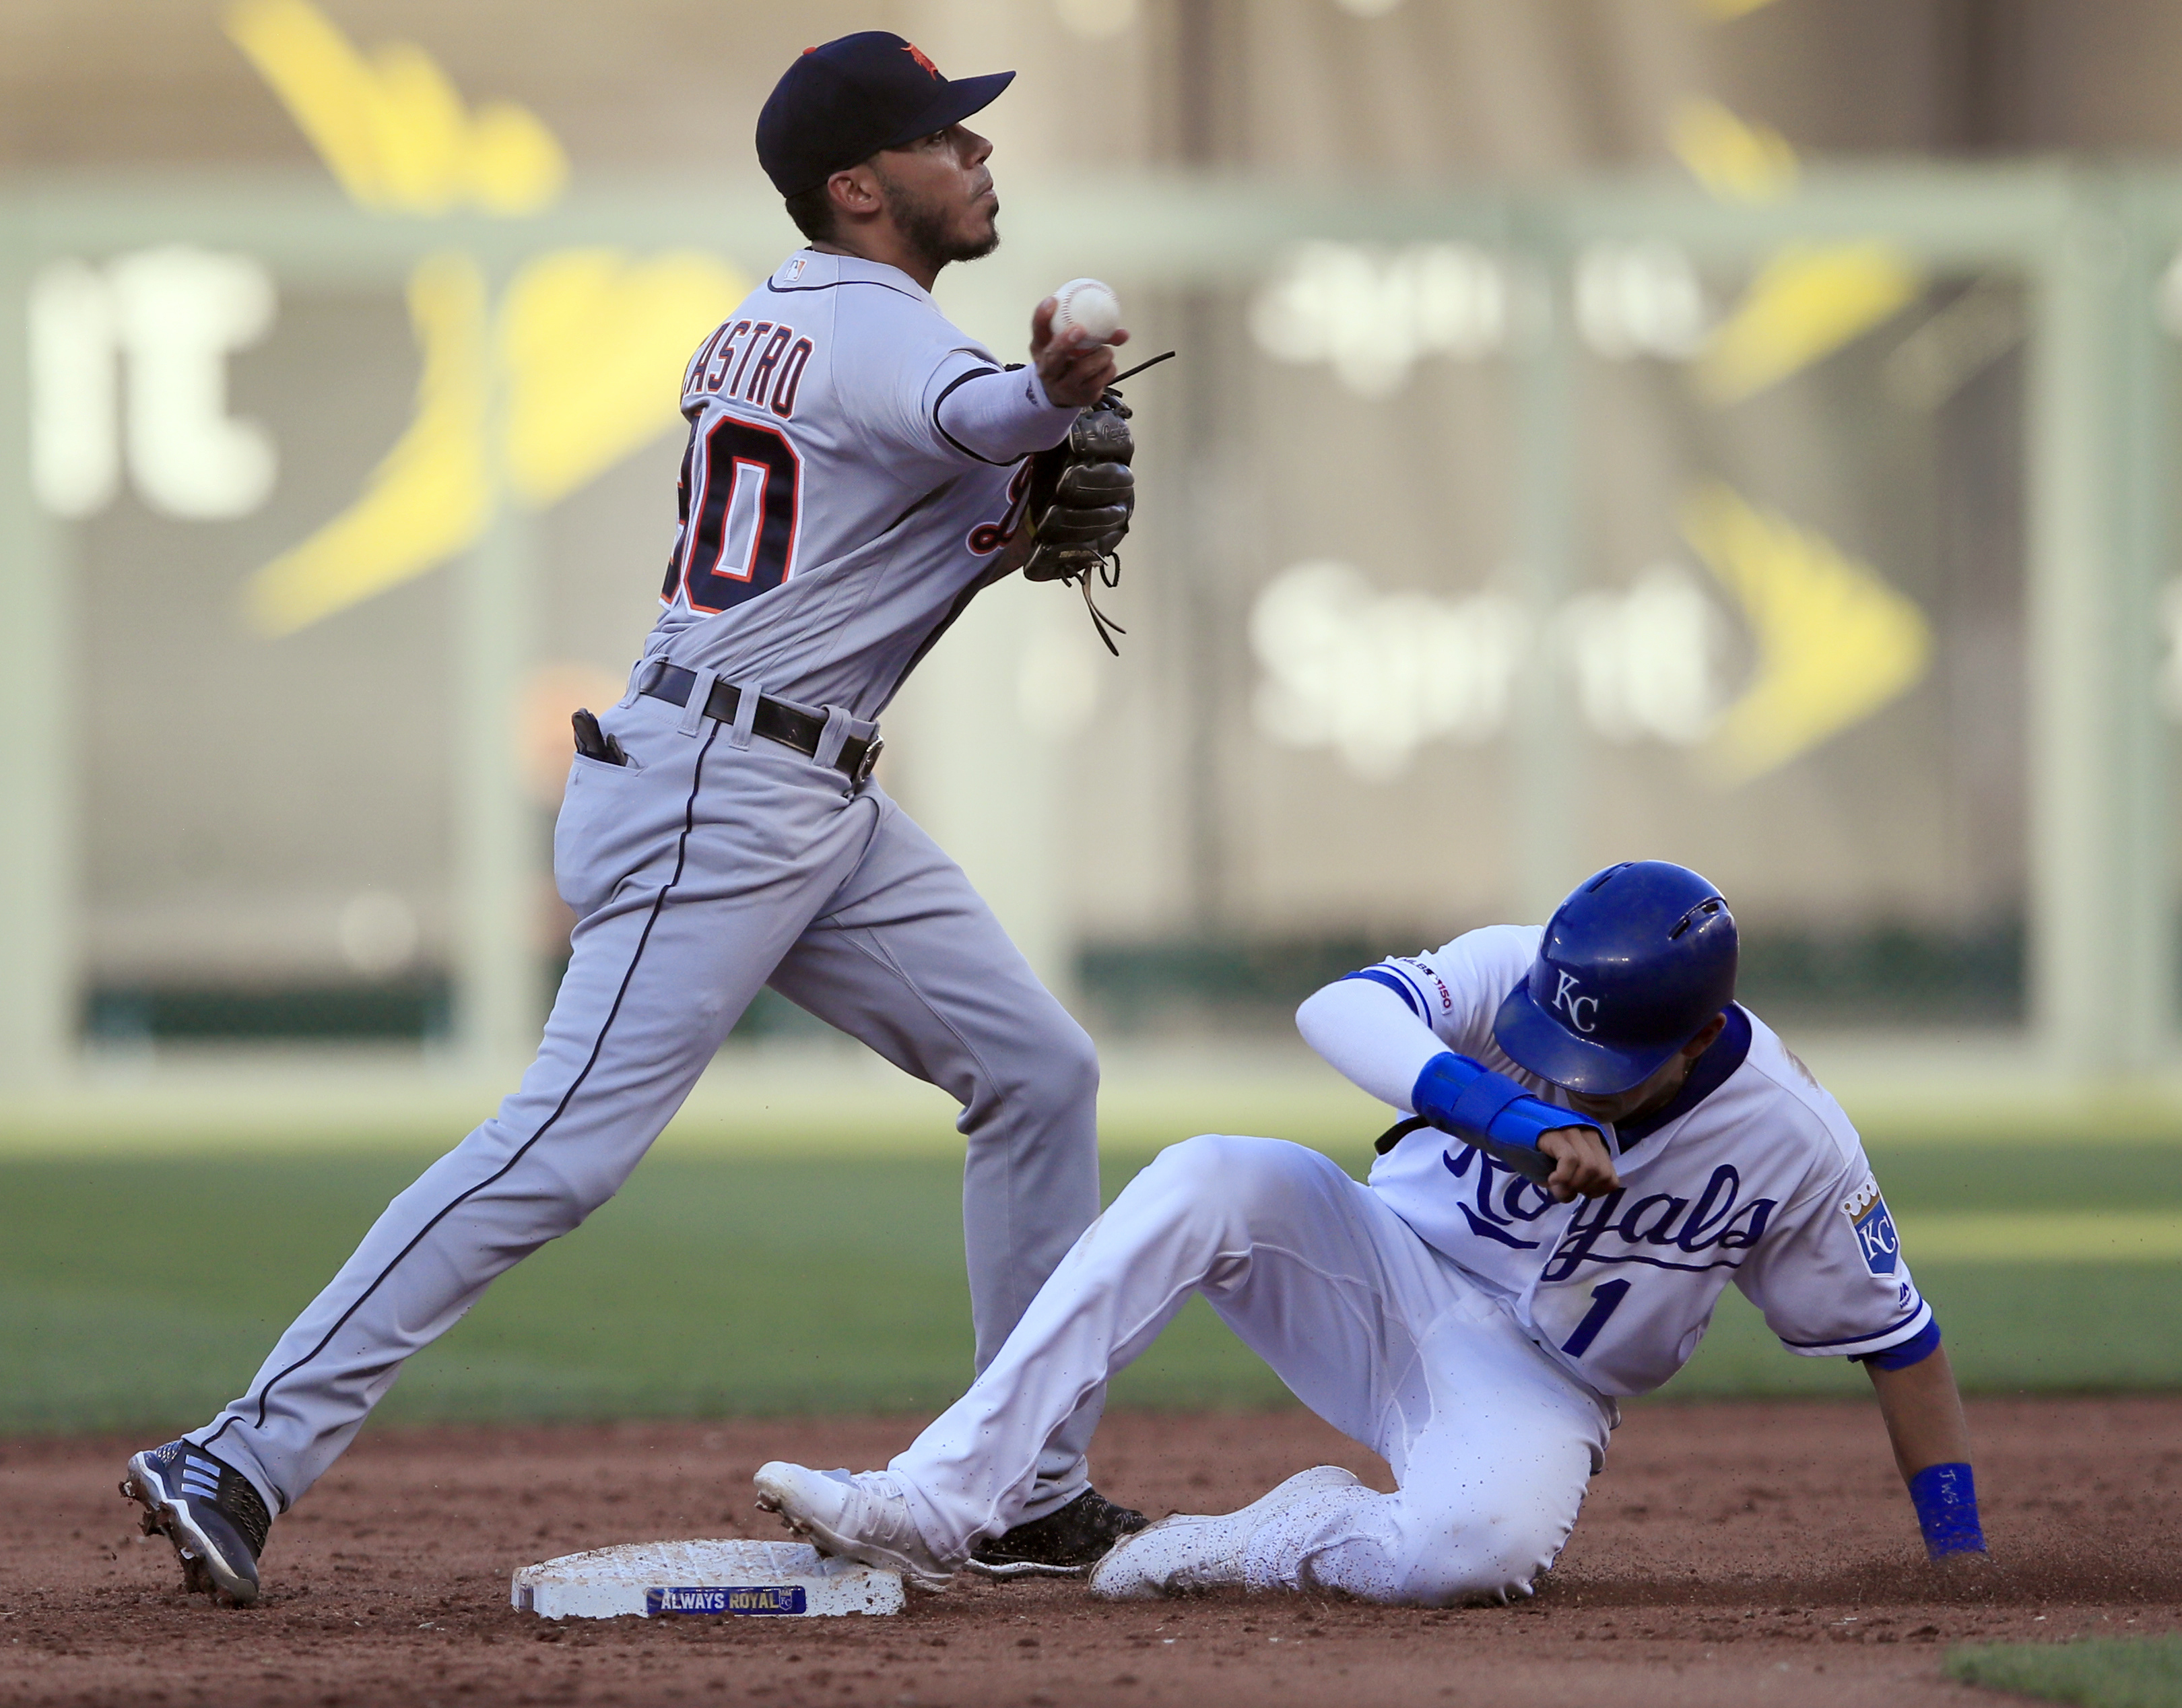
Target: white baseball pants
<point>703,871</point>
<point>1491,1441</point>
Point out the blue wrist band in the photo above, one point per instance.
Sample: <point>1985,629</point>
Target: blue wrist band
<point>1946,1497</point>
<point>1489,1110</point>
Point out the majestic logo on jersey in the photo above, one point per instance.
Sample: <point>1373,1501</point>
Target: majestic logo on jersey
<point>1582,1010</point>
<point>1880,1246</point>
<point>917,53</point>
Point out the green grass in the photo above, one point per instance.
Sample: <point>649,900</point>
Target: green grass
<point>2080,1174</point>
<point>2008,1327</point>
<point>139,1294</point>
<point>2103,1672</point>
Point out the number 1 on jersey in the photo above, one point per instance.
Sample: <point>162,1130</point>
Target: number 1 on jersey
<point>1604,1298</point>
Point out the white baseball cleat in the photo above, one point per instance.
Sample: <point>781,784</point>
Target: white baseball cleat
<point>1193,1551</point>
<point>861,1517</point>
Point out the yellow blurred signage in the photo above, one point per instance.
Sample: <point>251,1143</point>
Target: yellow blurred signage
<point>574,368</point>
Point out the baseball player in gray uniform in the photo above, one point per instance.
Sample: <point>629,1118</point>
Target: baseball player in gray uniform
<point>855,474</point>
<point>1602,1139</point>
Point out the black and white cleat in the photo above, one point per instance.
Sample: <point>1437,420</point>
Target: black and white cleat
<point>1067,1542</point>
<point>208,1511</point>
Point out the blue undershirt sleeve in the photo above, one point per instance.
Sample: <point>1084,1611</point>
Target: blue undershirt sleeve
<point>1915,1349</point>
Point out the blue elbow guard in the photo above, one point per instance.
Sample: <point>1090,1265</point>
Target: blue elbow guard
<point>1946,1497</point>
<point>1490,1111</point>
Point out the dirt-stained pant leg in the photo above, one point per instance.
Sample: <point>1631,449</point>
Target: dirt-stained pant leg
<point>691,877</point>
<point>907,957</point>
<point>1493,1448</point>
<point>1492,1444</point>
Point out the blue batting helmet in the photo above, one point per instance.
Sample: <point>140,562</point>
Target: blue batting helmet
<point>1631,967</point>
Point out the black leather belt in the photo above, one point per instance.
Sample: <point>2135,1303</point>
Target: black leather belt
<point>775,721</point>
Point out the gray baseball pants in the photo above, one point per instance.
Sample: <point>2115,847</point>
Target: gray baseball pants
<point>713,864</point>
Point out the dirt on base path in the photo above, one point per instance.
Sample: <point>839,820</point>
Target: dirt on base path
<point>1729,1554</point>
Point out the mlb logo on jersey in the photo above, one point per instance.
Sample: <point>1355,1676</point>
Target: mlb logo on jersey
<point>794,270</point>
<point>1874,1229</point>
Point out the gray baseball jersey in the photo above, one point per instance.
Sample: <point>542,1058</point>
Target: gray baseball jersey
<point>834,378</point>
<point>832,527</point>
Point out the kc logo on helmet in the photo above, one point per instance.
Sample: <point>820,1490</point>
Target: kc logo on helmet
<point>1582,1010</point>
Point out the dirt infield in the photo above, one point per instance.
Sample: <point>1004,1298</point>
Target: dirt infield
<point>1731,1554</point>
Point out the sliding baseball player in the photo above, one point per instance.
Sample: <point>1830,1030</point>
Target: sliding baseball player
<point>1602,1139</point>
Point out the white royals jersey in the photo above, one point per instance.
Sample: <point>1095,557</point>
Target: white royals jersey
<point>1753,1175</point>
<point>830,529</point>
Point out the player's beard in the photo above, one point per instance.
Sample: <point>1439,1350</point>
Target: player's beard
<point>929,227</point>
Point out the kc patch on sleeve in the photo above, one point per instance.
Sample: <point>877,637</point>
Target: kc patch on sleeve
<point>1874,1229</point>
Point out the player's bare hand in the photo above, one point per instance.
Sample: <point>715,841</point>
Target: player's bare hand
<point>1074,370</point>
<point>1582,1167</point>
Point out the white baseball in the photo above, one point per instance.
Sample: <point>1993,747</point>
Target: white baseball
<point>1088,304</point>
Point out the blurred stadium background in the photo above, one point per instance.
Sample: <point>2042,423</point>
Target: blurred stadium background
<point>1728,431</point>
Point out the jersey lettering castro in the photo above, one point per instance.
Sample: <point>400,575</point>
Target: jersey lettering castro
<point>830,530</point>
<point>1753,1174</point>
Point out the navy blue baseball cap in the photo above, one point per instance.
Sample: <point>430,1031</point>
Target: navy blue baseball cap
<point>840,104</point>
<point>1632,966</point>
